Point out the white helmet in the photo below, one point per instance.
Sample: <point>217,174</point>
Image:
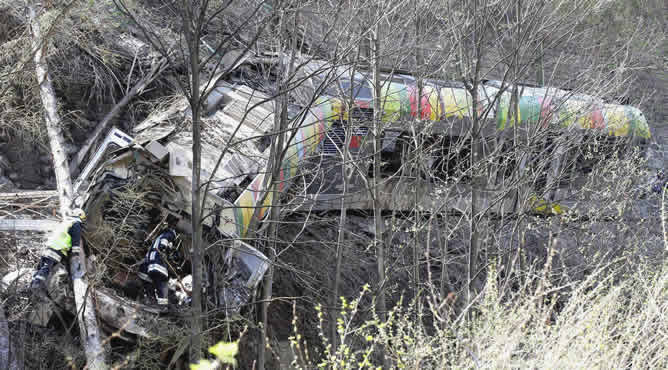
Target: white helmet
<point>78,213</point>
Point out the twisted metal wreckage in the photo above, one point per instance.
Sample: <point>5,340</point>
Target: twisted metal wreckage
<point>158,159</point>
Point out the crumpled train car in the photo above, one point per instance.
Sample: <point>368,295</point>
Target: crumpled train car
<point>154,172</point>
<point>238,122</point>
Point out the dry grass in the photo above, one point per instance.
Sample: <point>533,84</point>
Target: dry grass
<point>604,323</point>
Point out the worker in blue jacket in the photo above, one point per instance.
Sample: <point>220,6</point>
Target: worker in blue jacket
<point>154,267</point>
<point>660,182</point>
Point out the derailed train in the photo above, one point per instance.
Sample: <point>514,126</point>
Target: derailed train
<point>239,183</point>
<point>440,101</point>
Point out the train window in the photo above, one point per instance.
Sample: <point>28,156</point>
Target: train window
<point>336,136</point>
<point>397,80</point>
<point>360,88</point>
<point>333,140</point>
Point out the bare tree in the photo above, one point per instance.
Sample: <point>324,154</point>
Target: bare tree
<point>287,46</point>
<point>90,333</point>
<point>194,20</point>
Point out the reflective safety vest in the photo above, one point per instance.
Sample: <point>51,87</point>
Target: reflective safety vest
<point>61,240</point>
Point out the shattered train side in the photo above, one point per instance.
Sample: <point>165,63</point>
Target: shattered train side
<point>133,189</point>
<point>148,176</point>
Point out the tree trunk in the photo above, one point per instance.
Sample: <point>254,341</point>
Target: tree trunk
<point>340,240</point>
<point>419,163</point>
<point>476,197</point>
<point>192,38</point>
<point>281,123</point>
<point>83,298</point>
<point>53,124</point>
<point>377,212</point>
<point>343,219</point>
<point>477,160</point>
<point>89,330</point>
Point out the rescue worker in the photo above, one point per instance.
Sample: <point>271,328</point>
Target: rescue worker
<point>660,182</point>
<point>154,267</point>
<point>65,239</point>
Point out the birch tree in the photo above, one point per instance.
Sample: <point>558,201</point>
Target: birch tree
<point>90,333</point>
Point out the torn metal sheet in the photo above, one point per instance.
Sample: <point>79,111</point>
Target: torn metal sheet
<point>209,156</point>
<point>230,61</point>
<point>119,168</point>
<point>228,222</point>
<point>251,107</point>
<point>180,164</point>
<point>143,165</point>
<point>241,159</point>
<point>216,98</point>
<point>120,313</point>
<point>154,133</point>
<point>16,280</point>
<point>58,290</point>
<point>132,317</point>
<point>245,268</point>
<point>115,139</point>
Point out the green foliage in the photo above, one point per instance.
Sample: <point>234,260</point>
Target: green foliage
<point>225,353</point>
<point>203,365</point>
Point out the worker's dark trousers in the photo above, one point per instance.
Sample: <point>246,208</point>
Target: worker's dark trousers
<point>44,269</point>
<point>160,285</point>
<point>156,270</point>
